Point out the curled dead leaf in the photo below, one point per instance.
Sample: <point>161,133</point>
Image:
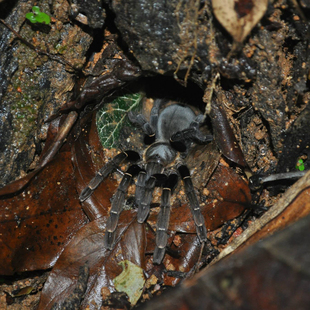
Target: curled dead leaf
<point>239,17</point>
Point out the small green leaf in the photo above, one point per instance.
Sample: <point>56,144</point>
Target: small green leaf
<point>43,18</point>
<point>300,165</point>
<point>36,9</point>
<point>131,281</point>
<point>31,17</point>
<point>112,117</point>
<point>38,17</point>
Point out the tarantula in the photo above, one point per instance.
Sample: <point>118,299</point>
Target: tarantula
<point>175,128</point>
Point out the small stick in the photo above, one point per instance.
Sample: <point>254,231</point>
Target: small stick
<point>257,181</point>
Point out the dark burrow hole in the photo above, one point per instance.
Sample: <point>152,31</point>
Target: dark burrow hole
<point>166,87</point>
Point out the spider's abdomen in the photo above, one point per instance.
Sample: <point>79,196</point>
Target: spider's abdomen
<point>172,119</point>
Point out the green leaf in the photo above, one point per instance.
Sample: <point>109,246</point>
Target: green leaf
<point>31,17</point>
<point>113,116</point>
<point>38,17</point>
<point>36,9</point>
<point>300,165</point>
<point>131,281</point>
<point>43,18</point>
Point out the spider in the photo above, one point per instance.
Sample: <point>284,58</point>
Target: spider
<point>175,129</point>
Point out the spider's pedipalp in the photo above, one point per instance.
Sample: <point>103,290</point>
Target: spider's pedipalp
<point>197,135</point>
<point>193,203</point>
<point>117,205</point>
<point>108,168</point>
<point>140,121</point>
<point>192,133</point>
<point>155,112</point>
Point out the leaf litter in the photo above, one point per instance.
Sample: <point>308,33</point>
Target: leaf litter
<point>82,272</point>
<point>84,259</point>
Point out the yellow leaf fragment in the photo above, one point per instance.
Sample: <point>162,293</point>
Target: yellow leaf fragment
<point>131,281</point>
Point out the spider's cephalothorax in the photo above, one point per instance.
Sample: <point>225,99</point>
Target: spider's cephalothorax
<point>175,128</point>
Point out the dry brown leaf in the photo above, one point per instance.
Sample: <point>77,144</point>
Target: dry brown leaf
<point>239,17</point>
<point>86,268</point>
<point>38,222</point>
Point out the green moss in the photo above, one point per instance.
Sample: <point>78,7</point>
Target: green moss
<point>61,48</point>
<point>24,107</point>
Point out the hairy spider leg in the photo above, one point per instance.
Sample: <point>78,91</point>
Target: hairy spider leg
<point>117,205</point>
<point>140,183</point>
<point>108,168</point>
<point>145,188</point>
<point>163,218</point>
<point>194,204</point>
<point>145,202</point>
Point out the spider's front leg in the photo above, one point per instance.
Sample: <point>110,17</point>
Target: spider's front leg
<point>108,168</point>
<point>194,204</point>
<point>117,205</point>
